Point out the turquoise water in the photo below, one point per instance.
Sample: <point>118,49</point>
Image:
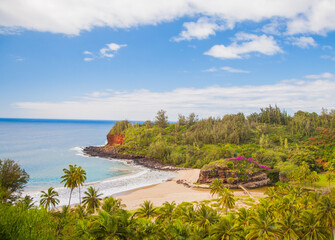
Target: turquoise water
<point>44,147</point>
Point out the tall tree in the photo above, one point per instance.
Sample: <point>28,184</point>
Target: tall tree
<point>146,210</point>
<point>216,187</point>
<point>226,199</point>
<point>326,213</point>
<point>161,119</point>
<point>70,179</point>
<point>92,199</point>
<point>12,180</point>
<point>49,198</point>
<point>80,178</point>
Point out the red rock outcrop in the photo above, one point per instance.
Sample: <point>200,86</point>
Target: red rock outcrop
<point>115,139</point>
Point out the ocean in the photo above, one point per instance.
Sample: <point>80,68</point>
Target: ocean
<point>44,147</point>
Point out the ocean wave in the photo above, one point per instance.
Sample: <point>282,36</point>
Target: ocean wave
<point>109,187</point>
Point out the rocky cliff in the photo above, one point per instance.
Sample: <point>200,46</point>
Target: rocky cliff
<point>115,139</point>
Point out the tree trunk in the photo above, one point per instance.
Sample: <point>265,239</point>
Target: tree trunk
<point>79,195</point>
<point>70,196</point>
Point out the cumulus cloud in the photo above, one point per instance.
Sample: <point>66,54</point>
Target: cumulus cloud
<point>213,69</point>
<point>143,104</point>
<point>201,29</point>
<point>303,42</point>
<point>98,94</point>
<point>325,75</point>
<point>243,44</point>
<point>234,70</point>
<point>73,16</point>
<point>111,49</point>
<point>89,56</point>
<point>108,52</point>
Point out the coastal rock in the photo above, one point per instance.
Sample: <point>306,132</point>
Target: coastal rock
<point>233,179</point>
<point>112,152</point>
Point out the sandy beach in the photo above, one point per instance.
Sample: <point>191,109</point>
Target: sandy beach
<point>172,191</point>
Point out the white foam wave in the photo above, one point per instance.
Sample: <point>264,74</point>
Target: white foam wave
<point>79,151</point>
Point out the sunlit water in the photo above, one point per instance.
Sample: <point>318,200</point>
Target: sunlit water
<point>44,147</point>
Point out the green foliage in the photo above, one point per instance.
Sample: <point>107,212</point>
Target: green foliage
<point>161,119</point>
<point>12,180</point>
<point>49,198</point>
<point>119,127</point>
<point>273,176</point>
<point>26,224</point>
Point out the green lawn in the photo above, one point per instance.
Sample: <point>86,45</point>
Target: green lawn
<point>323,183</point>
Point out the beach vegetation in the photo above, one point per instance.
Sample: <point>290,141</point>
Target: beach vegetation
<point>92,199</point>
<point>13,179</point>
<point>49,198</point>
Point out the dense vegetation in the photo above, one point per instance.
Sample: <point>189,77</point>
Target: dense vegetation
<point>299,146</point>
<point>287,213</point>
<point>271,138</point>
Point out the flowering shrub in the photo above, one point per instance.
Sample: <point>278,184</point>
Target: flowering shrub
<point>250,160</point>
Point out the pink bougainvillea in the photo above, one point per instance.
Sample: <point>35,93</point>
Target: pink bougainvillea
<point>239,158</point>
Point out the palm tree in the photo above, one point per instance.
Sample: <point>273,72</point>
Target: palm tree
<point>206,216</point>
<point>226,228</point>
<point>226,199</point>
<point>330,175</point>
<point>49,198</point>
<point>262,226</point>
<point>70,179</point>
<point>80,178</point>
<point>289,226</point>
<point>146,210</point>
<point>112,205</point>
<point>166,211</point>
<point>92,199</point>
<point>313,178</point>
<point>312,228</point>
<point>216,187</point>
<point>107,226</point>
<point>326,213</point>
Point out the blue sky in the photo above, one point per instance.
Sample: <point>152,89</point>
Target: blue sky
<point>128,59</point>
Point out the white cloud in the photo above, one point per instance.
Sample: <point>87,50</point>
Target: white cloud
<point>19,59</point>
<point>318,18</point>
<point>275,27</point>
<point>98,94</point>
<point>201,29</point>
<point>244,44</point>
<point>325,75</point>
<point>327,47</point>
<point>90,56</point>
<point>73,16</point>
<point>143,104</point>
<point>111,49</point>
<point>108,52</point>
<point>88,53</point>
<point>303,42</point>
<point>234,70</point>
<point>213,69</point>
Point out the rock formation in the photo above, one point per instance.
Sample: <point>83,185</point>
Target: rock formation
<point>232,178</point>
<point>115,139</point>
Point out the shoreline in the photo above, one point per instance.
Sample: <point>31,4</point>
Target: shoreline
<point>182,188</point>
<point>109,152</point>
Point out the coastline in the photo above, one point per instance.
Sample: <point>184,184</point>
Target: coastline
<point>179,189</point>
<point>109,152</point>
<point>182,188</point>
<point>170,190</point>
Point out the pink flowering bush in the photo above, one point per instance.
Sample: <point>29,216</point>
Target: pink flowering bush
<point>244,161</point>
